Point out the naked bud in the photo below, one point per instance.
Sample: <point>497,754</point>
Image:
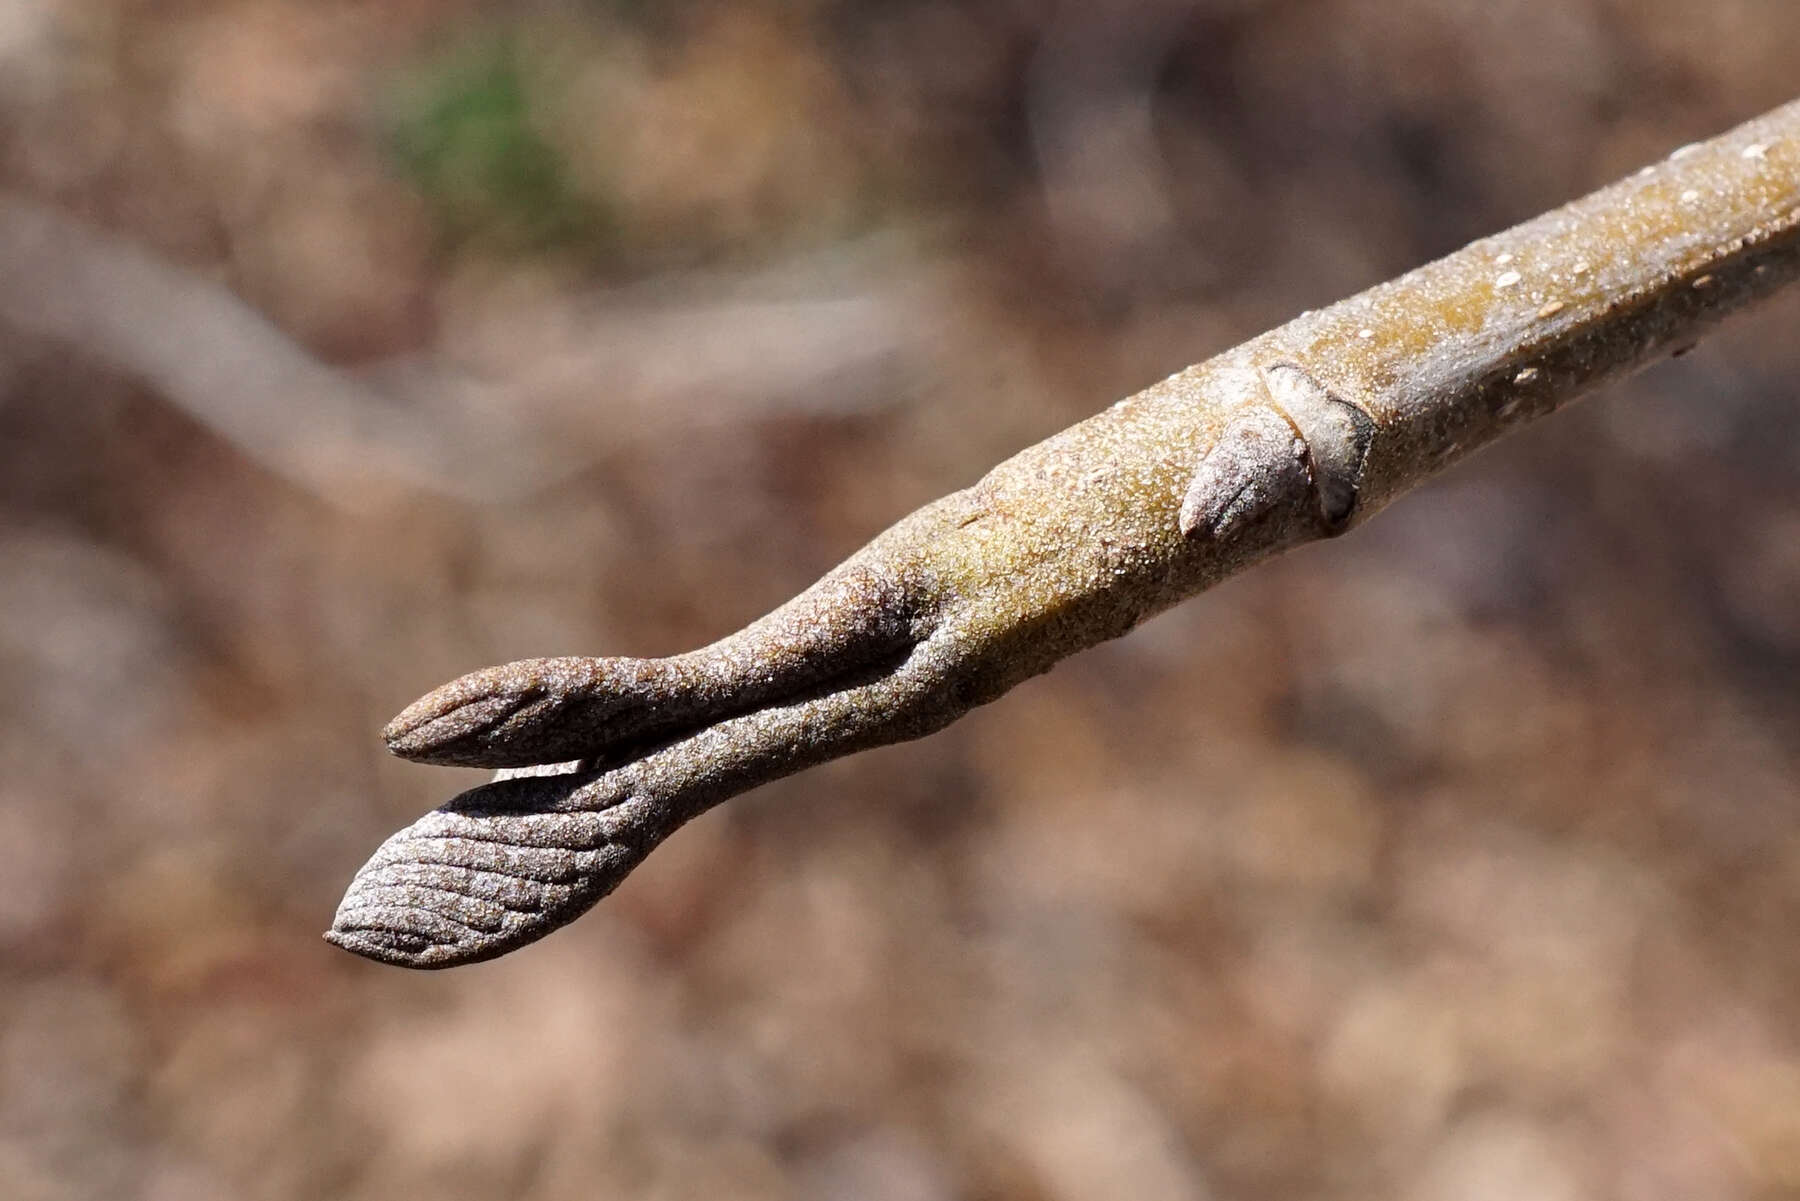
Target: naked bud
<point>1257,466</point>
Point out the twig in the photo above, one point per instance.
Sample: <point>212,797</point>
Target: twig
<point>206,351</point>
<point>758,340</point>
<point>1299,434</point>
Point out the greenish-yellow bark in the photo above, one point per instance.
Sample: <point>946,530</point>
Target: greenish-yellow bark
<point>1298,434</point>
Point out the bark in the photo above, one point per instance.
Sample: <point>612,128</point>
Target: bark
<point>1299,434</point>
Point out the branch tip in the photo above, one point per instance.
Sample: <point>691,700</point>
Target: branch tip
<point>1296,435</point>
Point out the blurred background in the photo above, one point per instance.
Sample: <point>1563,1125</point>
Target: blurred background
<point>346,346</point>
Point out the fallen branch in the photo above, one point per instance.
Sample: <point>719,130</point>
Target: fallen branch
<point>756,344</point>
<point>207,352</point>
<point>1299,434</point>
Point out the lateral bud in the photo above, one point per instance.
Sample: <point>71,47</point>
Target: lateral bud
<point>1257,466</point>
<point>1303,443</point>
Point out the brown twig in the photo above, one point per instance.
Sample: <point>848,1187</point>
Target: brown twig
<point>1299,434</point>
